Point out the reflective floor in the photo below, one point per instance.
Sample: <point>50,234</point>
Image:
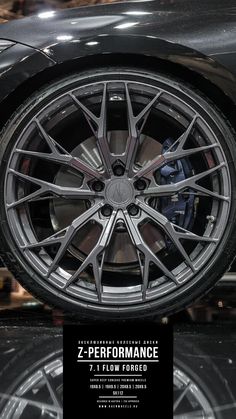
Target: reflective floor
<point>31,372</point>
<point>205,372</point>
<point>31,369</point>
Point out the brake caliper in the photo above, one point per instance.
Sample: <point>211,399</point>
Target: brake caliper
<point>178,208</point>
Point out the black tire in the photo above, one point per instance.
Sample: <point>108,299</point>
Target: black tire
<point>185,294</point>
<point>24,365</point>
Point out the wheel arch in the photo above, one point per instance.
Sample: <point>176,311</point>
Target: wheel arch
<point>211,83</point>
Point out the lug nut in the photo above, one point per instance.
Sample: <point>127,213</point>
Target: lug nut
<point>140,184</point>
<point>106,211</point>
<point>120,226</point>
<point>97,186</point>
<point>118,170</point>
<point>133,210</point>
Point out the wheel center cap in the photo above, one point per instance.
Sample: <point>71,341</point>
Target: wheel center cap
<point>119,193</point>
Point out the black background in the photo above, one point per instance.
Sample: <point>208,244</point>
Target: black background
<point>80,400</point>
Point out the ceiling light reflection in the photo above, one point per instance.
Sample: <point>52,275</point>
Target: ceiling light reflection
<point>137,13</point>
<point>64,37</point>
<point>91,43</point>
<point>126,25</point>
<point>46,15</point>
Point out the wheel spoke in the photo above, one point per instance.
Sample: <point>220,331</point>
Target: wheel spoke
<point>52,389</point>
<point>181,397</point>
<point>179,153</point>
<point>101,128</point>
<point>134,133</point>
<point>143,249</point>
<point>102,133</point>
<point>65,236</point>
<point>67,160</point>
<point>169,229</point>
<point>144,268</point>
<point>59,155</point>
<point>49,241</point>
<point>70,233</point>
<point>163,159</point>
<point>52,144</point>
<point>180,142</point>
<point>173,188</point>
<point>39,405</point>
<point>132,142</point>
<point>45,187</point>
<point>182,233</point>
<point>174,232</point>
<point>93,257</point>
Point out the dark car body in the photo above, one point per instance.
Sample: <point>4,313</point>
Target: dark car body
<point>190,39</point>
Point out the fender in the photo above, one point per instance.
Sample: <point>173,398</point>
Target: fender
<point>18,64</point>
<point>185,33</point>
<point>146,46</point>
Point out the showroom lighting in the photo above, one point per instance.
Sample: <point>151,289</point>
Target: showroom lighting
<point>137,13</point>
<point>46,15</point>
<point>91,43</point>
<point>126,25</point>
<point>64,37</point>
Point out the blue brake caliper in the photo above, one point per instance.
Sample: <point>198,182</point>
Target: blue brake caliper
<point>178,208</point>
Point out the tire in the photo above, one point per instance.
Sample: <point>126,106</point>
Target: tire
<point>98,233</point>
<point>41,366</point>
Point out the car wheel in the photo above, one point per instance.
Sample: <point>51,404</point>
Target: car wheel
<point>201,389</point>
<point>32,381</point>
<point>118,194</point>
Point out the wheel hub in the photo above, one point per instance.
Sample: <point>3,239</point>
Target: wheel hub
<point>119,193</point>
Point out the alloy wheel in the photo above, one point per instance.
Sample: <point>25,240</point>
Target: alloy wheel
<point>118,191</point>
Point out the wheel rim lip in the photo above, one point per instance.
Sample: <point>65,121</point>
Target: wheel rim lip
<point>134,295</point>
<point>196,391</point>
<point>52,366</point>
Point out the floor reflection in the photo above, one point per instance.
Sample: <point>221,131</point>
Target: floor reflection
<point>205,372</point>
<point>31,369</point>
<point>31,374</point>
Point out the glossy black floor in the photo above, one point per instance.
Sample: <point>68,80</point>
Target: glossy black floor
<point>31,368</point>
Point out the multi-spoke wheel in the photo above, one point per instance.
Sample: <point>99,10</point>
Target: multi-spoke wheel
<point>118,194</point>
<point>189,399</point>
<point>31,385</point>
<point>201,384</point>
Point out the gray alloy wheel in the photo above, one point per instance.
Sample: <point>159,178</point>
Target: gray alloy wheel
<point>201,388</point>
<point>39,396</point>
<point>117,194</point>
<point>32,382</point>
<point>189,399</point>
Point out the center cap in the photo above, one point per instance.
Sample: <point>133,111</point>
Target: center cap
<point>119,193</point>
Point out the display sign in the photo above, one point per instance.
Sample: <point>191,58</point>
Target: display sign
<point>118,369</point>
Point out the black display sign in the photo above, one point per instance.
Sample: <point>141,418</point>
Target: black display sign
<point>118,370</point>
